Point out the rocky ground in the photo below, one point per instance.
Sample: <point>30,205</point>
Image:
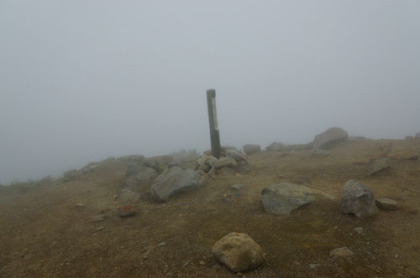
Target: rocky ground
<point>71,227</point>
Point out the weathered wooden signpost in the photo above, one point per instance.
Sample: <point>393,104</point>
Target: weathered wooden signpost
<point>214,129</point>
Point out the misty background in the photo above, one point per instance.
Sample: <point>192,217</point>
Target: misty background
<point>82,81</point>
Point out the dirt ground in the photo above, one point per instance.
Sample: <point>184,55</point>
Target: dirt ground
<point>50,231</point>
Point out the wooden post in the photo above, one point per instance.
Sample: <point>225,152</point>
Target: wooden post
<point>214,129</point>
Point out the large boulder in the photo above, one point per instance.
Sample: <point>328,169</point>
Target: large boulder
<point>282,198</point>
<point>329,137</point>
<point>417,136</point>
<point>239,252</point>
<point>251,149</point>
<point>357,199</point>
<point>173,181</point>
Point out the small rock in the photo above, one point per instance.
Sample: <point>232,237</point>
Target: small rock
<point>386,204</point>
<point>251,149</point>
<point>225,162</point>
<point>237,186</point>
<point>80,205</point>
<point>358,230</point>
<point>237,155</point>
<point>379,165</point>
<point>127,196</point>
<point>313,266</point>
<point>341,252</point>
<point>126,211</point>
<point>161,244</point>
<point>99,218</point>
<point>100,228</point>
<point>239,252</point>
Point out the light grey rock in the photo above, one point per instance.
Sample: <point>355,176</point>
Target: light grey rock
<point>99,217</point>
<point>329,138</point>
<point>127,196</point>
<point>313,266</point>
<point>173,181</point>
<point>239,252</point>
<point>237,186</point>
<point>138,175</point>
<point>386,204</point>
<point>237,155</point>
<point>205,162</point>
<point>275,147</point>
<point>417,136</point>
<point>357,199</point>
<point>281,199</point>
<point>243,167</point>
<point>225,162</point>
<point>359,230</point>
<point>379,165</point>
<point>251,149</point>
<point>341,252</point>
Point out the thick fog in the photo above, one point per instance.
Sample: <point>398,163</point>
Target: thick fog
<point>86,80</point>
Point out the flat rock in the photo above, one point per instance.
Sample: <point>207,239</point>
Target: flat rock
<point>403,154</point>
<point>251,149</point>
<point>173,181</point>
<point>225,162</point>
<point>238,251</point>
<point>379,165</point>
<point>281,199</point>
<point>126,211</point>
<point>386,204</point>
<point>329,138</point>
<point>357,199</point>
<point>341,252</point>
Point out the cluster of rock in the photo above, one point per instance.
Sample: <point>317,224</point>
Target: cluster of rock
<point>239,252</point>
<point>170,179</point>
<point>232,162</point>
<point>358,199</point>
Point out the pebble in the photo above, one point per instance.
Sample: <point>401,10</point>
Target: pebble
<point>313,266</point>
<point>358,230</point>
<point>341,252</point>
<point>126,211</point>
<point>161,244</point>
<point>99,218</point>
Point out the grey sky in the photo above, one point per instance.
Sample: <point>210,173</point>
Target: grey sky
<point>85,80</point>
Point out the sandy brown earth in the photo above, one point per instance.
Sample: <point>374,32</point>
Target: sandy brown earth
<point>49,230</point>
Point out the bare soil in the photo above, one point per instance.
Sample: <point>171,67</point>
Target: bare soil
<point>49,231</point>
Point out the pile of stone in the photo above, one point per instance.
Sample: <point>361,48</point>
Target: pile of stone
<point>231,163</point>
